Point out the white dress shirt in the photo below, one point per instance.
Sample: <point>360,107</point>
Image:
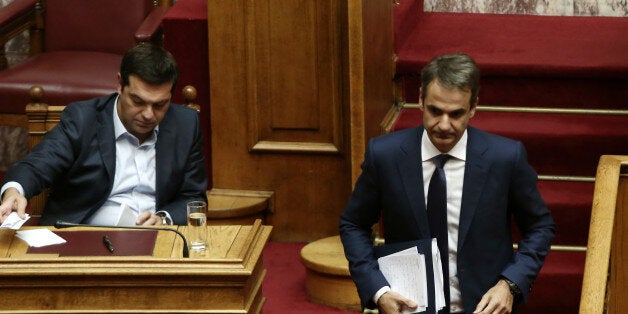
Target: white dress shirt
<point>454,174</point>
<point>134,179</point>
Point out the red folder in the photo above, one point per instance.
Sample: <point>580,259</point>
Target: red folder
<point>90,243</point>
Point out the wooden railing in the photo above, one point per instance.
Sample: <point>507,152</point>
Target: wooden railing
<point>606,268</point>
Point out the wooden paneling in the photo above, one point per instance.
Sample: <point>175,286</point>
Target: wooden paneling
<point>289,94</point>
<point>294,79</point>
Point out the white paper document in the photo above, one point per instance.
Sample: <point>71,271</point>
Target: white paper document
<point>39,237</point>
<point>14,221</point>
<point>406,273</point>
<point>438,277</point>
<point>127,216</point>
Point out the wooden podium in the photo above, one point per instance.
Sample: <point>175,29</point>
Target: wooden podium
<point>226,279</point>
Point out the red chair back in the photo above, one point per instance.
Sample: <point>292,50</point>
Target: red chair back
<point>93,25</point>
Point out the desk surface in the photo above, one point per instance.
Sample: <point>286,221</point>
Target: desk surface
<point>226,279</point>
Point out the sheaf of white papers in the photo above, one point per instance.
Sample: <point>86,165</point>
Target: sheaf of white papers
<point>406,273</point>
<point>14,221</point>
<point>39,237</point>
<point>438,277</point>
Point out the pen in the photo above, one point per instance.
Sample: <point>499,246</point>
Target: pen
<point>108,243</point>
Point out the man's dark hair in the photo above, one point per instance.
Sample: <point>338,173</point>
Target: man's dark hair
<point>456,70</point>
<point>151,63</point>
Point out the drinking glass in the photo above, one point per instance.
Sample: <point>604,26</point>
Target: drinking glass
<point>197,220</point>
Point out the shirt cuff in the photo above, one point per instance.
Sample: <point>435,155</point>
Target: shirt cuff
<point>11,184</point>
<point>165,213</point>
<point>379,293</point>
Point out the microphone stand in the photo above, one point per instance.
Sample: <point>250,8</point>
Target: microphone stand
<point>60,224</point>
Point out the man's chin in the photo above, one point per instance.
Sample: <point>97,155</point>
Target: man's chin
<point>443,144</point>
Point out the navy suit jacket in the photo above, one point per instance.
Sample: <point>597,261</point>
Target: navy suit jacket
<point>499,185</point>
<point>77,160</point>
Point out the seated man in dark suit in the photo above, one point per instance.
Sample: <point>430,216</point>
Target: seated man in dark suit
<point>131,151</point>
<point>483,182</point>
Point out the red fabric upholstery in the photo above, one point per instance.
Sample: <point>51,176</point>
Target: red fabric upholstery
<point>14,8</point>
<point>105,26</point>
<point>84,43</point>
<point>185,36</point>
<point>57,73</point>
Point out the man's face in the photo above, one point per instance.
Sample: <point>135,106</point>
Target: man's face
<point>446,113</point>
<point>142,106</point>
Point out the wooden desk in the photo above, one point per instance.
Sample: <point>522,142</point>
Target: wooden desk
<point>226,280</point>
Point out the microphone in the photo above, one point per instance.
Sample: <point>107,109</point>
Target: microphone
<point>60,224</point>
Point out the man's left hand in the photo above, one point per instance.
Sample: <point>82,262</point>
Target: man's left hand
<point>148,219</point>
<point>497,300</point>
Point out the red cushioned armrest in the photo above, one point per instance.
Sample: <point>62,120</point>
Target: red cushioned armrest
<point>14,10</point>
<point>151,27</point>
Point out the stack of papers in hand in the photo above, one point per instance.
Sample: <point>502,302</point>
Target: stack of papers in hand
<point>406,273</point>
<point>14,221</point>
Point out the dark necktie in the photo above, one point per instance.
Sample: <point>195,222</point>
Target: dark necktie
<point>437,216</point>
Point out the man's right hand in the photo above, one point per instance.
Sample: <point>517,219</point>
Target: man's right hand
<point>393,302</point>
<point>12,200</point>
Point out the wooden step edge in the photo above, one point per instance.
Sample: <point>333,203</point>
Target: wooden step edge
<point>228,203</point>
<point>326,256</point>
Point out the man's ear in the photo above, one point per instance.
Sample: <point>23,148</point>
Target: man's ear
<point>421,98</point>
<point>474,106</point>
<point>119,77</point>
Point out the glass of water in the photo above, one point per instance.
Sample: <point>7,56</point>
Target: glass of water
<point>197,220</point>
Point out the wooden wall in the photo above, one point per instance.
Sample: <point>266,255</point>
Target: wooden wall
<point>296,88</point>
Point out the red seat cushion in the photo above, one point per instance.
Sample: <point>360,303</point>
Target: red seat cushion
<point>56,73</point>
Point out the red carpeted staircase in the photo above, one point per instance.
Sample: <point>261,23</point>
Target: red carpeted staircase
<point>559,85</point>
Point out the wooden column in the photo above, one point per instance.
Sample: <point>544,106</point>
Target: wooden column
<point>606,268</point>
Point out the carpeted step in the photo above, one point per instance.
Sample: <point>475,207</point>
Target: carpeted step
<point>525,60</point>
<point>570,204</point>
<point>559,284</point>
<point>557,144</point>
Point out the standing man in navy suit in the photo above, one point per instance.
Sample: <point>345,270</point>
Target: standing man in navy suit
<point>489,184</point>
<point>131,149</point>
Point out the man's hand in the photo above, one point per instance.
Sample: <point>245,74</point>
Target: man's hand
<point>393,302</point>
<point>148,219</point>
<point>12,200</point>
<point>497,300</point>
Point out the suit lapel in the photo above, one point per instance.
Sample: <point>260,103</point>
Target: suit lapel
<point>163,154</point>
<point>411,173</point>
<point>106,138</point>
<point>475,175</point>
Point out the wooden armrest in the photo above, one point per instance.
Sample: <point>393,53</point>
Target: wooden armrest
<point>150,29</point>
<point>15,18</point>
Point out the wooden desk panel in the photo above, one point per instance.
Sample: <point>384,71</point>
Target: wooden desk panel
<point>227,279</point>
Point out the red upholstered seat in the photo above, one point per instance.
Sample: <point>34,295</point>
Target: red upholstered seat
<point>84,43</point>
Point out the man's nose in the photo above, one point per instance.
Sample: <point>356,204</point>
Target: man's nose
<point>444,123</point>
<point>148,112</point>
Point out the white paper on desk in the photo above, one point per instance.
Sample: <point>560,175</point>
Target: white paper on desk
<point>39,237</point>
<point>14,221</point>
<point>405,272</point>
